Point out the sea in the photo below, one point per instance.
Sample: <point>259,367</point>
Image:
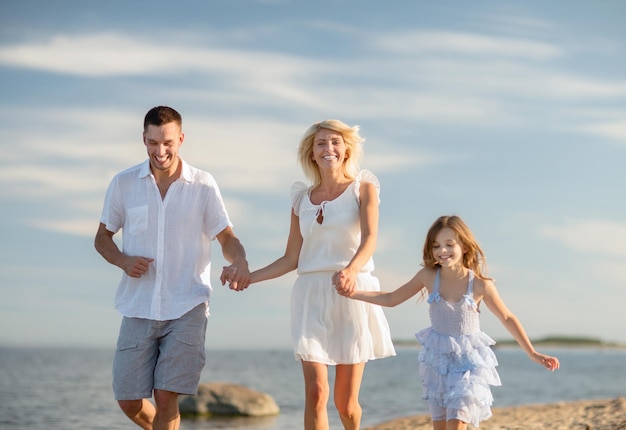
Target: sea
<point>70,388</point>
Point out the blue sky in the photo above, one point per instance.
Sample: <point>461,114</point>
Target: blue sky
<point>509,114</point>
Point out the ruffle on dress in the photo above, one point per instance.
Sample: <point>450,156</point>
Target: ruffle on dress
<point>366,176</point>
<point>456,372</point>
<point>297,192</point>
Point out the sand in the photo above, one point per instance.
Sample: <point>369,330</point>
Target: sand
<point>606,414</point>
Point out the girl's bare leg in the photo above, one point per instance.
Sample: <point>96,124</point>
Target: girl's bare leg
<point>456,425</point>
<point>449,425</point>
<point>439,425</point>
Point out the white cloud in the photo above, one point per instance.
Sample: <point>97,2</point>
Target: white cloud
<point>112,54</point>
<point>615,130</point>
<point>601,237</point>
<point>523,23</point>
<point>71,152</point>
<point>430,87</point>
<point>85,226</point>
<point>47,181</point>
<point>380,162</point>
<point>460,43</point>
<point>517,79</point>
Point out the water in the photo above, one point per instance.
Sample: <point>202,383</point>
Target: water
<point>70,389</point>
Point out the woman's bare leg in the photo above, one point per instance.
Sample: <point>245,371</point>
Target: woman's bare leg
<point>316,394</point>
<point>348,379</point>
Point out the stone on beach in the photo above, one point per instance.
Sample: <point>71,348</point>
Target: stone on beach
<point>227,399</point>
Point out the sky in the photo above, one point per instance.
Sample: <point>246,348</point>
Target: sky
<point>510,114</point>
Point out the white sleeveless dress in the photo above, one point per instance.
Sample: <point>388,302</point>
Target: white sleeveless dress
<point>325,326</point>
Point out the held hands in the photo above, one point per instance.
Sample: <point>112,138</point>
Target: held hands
<point>345,282</point>
<point>237,275</point>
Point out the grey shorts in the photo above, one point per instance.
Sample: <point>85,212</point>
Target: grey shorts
<point>162,355</point>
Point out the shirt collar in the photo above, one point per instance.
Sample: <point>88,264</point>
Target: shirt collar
<point>186,174</point>
<point>144,170</point>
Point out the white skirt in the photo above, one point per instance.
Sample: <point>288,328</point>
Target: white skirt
<point>331,329</point>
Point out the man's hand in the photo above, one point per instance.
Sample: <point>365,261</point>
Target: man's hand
<point>237,276</point>
<point>136,267</point>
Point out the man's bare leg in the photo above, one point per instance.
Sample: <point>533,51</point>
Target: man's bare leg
<point>167,414</point>
<point>141,412</point>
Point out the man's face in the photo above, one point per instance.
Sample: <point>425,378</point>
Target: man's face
<point>162,144</point>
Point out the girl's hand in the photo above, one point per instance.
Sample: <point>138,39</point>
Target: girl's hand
<point>549,362</point>
<point>345,282</point>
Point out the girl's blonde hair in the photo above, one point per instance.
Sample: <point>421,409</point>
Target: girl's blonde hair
<point>473,257</point>
<point>354,149</point>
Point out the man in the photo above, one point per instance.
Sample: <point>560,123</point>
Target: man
<point>169,212</point>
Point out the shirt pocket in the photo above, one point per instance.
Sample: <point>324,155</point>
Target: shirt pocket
<point>137,220</point>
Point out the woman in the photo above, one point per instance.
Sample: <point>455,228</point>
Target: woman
<point>334,226</point>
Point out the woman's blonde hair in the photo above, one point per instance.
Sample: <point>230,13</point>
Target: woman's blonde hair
<point>473,257</point>
<point>354,149</point>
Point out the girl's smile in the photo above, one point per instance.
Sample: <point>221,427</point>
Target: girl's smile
<point>447,249</point>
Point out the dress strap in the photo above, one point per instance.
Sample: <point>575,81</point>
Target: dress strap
<point>470,284</point>
<point>469,295</point>
<point>434,296</point>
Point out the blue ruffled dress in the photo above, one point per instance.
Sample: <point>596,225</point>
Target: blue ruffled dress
<point>457,364</point>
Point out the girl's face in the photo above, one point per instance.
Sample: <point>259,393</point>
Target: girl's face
<point>447,249</point>
<point>329,149</point>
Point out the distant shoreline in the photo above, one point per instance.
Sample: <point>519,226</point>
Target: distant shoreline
<point>550,341</point>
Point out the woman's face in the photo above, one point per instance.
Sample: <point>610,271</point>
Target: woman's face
<point>329,149</point>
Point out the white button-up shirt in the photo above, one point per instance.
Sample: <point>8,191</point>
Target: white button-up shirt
<point>176,231</point>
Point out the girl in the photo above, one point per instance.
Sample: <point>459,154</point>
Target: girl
<point>334,225</point>
<point>457,364</point>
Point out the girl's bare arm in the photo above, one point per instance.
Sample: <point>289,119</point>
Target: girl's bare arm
<point>392,298</point>
<point>514,326</point>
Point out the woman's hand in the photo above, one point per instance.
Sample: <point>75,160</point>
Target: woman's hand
<point>345,282</point>
<point>238,278</point>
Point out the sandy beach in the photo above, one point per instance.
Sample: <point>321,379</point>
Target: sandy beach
<point>605,414</point>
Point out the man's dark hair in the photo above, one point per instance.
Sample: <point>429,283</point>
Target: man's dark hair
<point>160,115</point>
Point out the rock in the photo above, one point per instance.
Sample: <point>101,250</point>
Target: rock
<point>226,399</point>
